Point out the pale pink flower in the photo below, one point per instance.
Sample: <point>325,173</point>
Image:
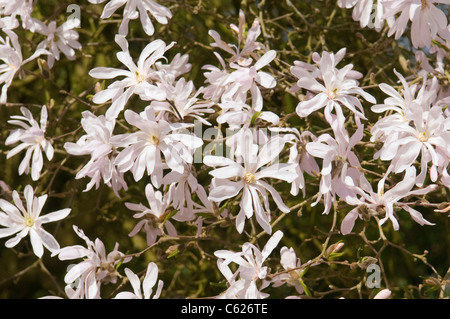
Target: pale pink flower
<point>289,262</point>
<point>416,126</point>
<point>13,60</point>
<point>242,74</point>
<point>140,79</point>
<point>183,102</point>
<point>33,140</point>
<point>428,22</point>
<point>332,89</point>
<point>251,269</point>
<point>382,203</point>
<point>134,9</point>
<point>20,8</point>
<point>97,144</point>
<point>97,267</point>
<point>298,155</point>
<point>383,294</point>
<point>338,163</point>
<point>59,39</point>
<point>142,149</point>
<point>150,279</point>
<point>238,114</point>
<point>153,219</point>
<point>243,52</point>
<point>246,173</point>
<point>27,220</point>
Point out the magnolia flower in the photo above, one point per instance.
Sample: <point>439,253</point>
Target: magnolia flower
<point>243,76</point>
<point>246,175</point>
<point>185,185</point>
<point>26,220</point>
<point>154,218</point>
<point>251,269</point>
<point>298,155</point>
<point>242,56</point>
<point>333,88</point>
<point>292,276</point>
<point>134,9</point>
<point>183,102</point>
<point>97,144</point>
<point>415,126</point>
<point>338,163</point>
<point>32,139</point>
<point>13,60</point>
<point>142,149</point>
<point>151,276</point>
<point>428,22</point>
<point>21,8</point>
<point>59,39</point>
<point>382,203</point>
<point>238,114</point>
<point>96,268</point>
<point>140,79</point>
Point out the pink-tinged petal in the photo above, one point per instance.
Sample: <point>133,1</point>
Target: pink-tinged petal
<point>11,211</point>
<point>269,151</point>
<point>409,152</point>
<point>416,215</point>
<point>111,7</point>
<point>106,95</point>
<point>16,239</point>
<point>11,230</point>
<point>281,171</point>
<point>266,80</point>
<point>73,252</point>
<point>47,240</point>
<point>134,281</point>
<point>247,202</point>
<point>271,244</point>
<point>57,215</point>
<point>349,221</point>
<point>383,294</point>
<point>240,221</point>
<point>214,160</point>
<point>226,172</point>
<point>265,59</point>
<point>126,295</point>
<point>223,189</point>
<point>307,107</point>
<point>275,195</point>
<point>107,73</point>
<point>151,276</point>
<point>262,217</point>
<point>119,104</point>
<point>36,243</point>
<point>16,150</point>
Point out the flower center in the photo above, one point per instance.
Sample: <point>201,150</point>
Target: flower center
<point>139,77</point>
<point>153,139</point>
<point>29,221</point>
<point>423,137</point>
<point>249,178</point>
<point>332,94</point>
<point>424,4</point>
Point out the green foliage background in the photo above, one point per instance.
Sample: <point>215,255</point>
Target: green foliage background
<point>296,29</point>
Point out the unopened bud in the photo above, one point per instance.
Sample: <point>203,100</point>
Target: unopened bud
<point>431,281</point>
<point>333,249</point>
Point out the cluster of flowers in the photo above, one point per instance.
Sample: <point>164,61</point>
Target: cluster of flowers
<point>161,144</point>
